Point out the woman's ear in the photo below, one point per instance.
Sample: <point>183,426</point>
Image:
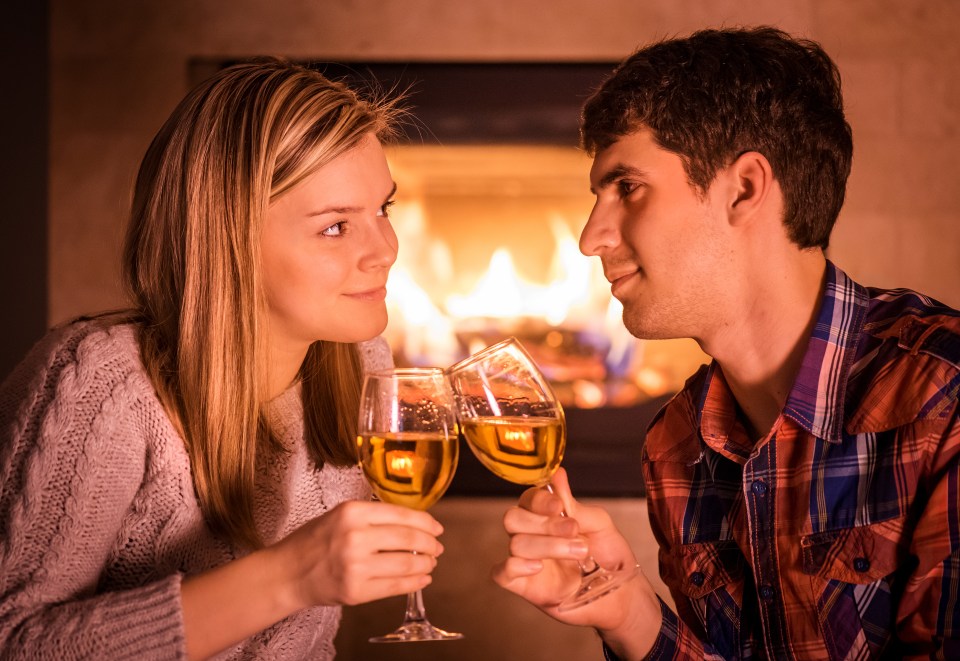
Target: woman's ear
<point>752,181</point>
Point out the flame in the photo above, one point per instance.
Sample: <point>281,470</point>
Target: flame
<point>501,293</point>
<point>437,325</point>
<point>518,439</point>
<point>401,463</point>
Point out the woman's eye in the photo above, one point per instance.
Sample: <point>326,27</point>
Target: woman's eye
<point>385,209</point>
<point>337,229</point>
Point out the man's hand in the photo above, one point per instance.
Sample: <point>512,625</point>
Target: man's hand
<point>545,549</point>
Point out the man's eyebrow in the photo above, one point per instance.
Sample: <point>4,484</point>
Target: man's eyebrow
<point>349,210</point>
<point>617,172</point>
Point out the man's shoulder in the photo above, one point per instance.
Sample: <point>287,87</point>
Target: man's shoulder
<point>907,365</point>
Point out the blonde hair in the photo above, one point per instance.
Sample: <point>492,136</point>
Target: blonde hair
<point>192,263</point>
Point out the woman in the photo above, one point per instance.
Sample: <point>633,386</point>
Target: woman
<point>180,481</point>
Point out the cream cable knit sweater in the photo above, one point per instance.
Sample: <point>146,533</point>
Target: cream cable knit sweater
<point>98,518</point>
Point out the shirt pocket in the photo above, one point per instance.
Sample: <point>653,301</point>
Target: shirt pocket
<point>851,571</point>
<point>706,580</point>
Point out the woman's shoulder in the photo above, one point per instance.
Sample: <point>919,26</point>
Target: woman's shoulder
<point>75,361</point>
<point>375,354</point>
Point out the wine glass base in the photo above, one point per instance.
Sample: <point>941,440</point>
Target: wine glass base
<point>597,584</point>
<point>412,632</point>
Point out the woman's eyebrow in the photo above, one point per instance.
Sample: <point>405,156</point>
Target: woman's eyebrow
<point>347,210</point>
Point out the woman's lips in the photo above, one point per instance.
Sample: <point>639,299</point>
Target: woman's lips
<point>376,294</point>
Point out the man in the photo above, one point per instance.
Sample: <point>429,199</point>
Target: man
<point>804,487</point>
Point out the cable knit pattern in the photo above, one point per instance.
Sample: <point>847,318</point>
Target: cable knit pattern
<point>98,517</point>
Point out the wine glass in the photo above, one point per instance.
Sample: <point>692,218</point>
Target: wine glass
<point>515,426</point>
<point>408,447</point>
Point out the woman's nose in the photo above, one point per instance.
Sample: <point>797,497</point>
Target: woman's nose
<point>382,247</point>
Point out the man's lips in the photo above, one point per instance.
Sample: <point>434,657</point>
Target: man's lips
<point>375,294</point>
<point>619,279</point>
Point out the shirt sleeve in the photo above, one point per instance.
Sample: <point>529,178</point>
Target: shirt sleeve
<point>928,615</point>
<point>675,642</point>
<point>70,469</point>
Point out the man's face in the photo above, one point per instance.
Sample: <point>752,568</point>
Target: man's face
<point>661,243</point>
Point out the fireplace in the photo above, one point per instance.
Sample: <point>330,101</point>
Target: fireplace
<point>492,194</point>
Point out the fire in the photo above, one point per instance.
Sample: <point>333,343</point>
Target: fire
<point>518,439</point>
<point>576,295</point>
<point>401,463</point>
<point>568,320</point>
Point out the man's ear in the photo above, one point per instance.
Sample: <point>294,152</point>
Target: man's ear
<point>752,181</point>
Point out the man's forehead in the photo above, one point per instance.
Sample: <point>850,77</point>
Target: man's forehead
<point>634,151</point>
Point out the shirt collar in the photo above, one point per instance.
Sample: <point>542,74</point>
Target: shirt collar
<point>816,400</point>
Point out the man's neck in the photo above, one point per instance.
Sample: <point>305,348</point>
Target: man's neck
<point>761,351</point>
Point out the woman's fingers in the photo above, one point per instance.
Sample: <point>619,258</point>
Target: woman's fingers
<point>379,513</point>
<point>381,538</point>
<point>382,587</point>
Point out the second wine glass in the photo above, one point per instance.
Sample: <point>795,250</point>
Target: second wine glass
<point>408,447</point>
<point>516,427</point>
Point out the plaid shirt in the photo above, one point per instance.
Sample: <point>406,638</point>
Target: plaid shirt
<point>837,535</point>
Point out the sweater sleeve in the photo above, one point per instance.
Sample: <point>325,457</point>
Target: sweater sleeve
<point>71,463</point>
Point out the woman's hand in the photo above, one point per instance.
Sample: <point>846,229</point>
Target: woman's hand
<point>545,548</point>
<point>356,552</point>
<point>360,552</point>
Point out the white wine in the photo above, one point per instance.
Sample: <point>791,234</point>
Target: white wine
<point>520,450</point>
<point>409,468</point>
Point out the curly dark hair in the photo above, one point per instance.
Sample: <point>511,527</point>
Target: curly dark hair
<point>717,94</point>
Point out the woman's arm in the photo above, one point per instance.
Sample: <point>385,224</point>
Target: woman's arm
<point>357,552</point>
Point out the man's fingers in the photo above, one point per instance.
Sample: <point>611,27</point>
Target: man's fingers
<point>536,547</point>
<point>513,568</point>
<point>517,520</point>
<point>561,489</point>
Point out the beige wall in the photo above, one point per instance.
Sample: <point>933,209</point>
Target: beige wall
<point>119,67</point>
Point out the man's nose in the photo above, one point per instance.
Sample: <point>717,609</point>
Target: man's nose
<point>601,233</point>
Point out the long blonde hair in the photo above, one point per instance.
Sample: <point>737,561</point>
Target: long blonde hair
<point>192,263</point>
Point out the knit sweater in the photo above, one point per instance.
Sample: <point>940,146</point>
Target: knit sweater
<point>99,521</point>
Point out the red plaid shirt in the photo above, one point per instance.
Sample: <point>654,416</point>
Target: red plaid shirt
<point>837,535</point>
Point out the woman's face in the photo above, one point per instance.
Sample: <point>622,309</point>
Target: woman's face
<point>327,247</point>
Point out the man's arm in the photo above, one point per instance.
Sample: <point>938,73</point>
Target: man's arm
<point>928,614</point>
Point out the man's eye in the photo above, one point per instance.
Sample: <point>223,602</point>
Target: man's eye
<point>337,229</point>
<point>385,209</point>
<point>626,187</point>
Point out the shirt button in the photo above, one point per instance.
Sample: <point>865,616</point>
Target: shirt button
<point>697,578</point>
<point>766,592</point>
<point>861,564</point>
<point>759,487</point>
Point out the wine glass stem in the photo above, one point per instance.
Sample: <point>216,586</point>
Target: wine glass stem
<point>415,611</point>
<point>589,565</point>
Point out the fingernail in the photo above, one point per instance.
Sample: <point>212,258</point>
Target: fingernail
<point>578,547</point>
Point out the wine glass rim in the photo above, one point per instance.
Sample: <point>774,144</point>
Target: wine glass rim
<point>423,372</point>
<point>483,353</point>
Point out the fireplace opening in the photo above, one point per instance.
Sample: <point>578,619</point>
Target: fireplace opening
<point>492,195</point>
